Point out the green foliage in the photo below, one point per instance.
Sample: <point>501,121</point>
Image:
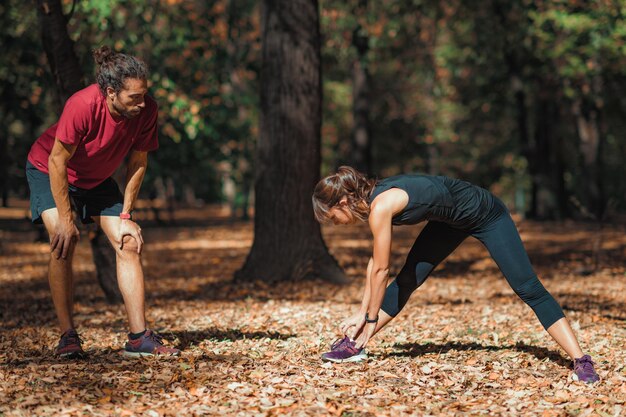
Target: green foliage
<point>203,58</point>
<point>447,78</point>
<point>26,90</point>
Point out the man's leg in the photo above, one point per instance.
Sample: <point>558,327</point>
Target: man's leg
<point>142,342</point>
<point>60,276</point>
<point>129,272</point>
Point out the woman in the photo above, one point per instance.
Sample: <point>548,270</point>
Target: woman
<point>455,210</point>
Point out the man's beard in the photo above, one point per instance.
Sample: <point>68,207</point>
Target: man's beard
<point>124,112</point>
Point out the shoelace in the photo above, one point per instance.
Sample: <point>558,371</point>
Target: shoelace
<point>586,364</point>
<point>338,343</point>
<point>155,337</point>
<point>70,339</point>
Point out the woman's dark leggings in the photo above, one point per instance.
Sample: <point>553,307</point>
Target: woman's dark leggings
<point>501,239</point>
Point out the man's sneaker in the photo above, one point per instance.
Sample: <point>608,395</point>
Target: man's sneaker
<point>584,371</point>
<point>150,344</point>
<point>69,346</point>
<point>343,350</point>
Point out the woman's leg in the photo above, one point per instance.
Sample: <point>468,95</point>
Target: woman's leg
<point>433,245</point>
<point>505,246</point>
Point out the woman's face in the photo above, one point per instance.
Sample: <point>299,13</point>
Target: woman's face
<point>341,215</point>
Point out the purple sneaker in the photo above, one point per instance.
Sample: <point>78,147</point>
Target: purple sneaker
<point>343,350</point>
<point>584,371</point>
<point>150,344</point>
<point>69,346</point>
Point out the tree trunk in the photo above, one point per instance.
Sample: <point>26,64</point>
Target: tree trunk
<point>361,131</point>
<point>6,98</point>
<point>68,76</point>
<point>591,141</point>
<point>59,48</point>
<point>515,63</point>
<point>540,202</point>
<point>288,244</point>
<point>4,165</point>
<point>558,171</point>
<point>241,174</point>
<point>104,259</point>
<point>524,138</point>
<point>546,166</point>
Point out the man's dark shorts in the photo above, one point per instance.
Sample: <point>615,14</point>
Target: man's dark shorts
<point>102,200</point>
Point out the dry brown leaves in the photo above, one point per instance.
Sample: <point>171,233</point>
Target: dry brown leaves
<point>465,345</point>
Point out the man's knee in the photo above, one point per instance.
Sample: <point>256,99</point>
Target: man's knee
<point>57,254</point>
<point>129,244</point>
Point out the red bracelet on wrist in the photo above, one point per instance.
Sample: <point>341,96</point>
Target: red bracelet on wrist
<point>125,216</point>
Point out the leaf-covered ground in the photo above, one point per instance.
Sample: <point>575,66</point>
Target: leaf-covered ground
<point>465,344</point>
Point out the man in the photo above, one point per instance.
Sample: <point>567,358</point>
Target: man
<point>74,160</point>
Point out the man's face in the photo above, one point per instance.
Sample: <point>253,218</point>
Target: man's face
<point>130,100</point>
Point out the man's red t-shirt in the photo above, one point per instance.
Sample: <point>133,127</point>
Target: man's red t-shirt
<point>102,142</point>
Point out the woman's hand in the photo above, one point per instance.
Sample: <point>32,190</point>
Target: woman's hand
<point>366,335</point>
<point>351,326</point>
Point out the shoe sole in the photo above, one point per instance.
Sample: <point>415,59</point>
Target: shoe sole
<point>72,355</point>
<point>142,354</point>
<point>576,379</point>
<point>355,358</point>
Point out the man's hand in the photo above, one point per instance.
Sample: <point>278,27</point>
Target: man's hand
<point>130,228</point>
<point>63,239</point>
<point>366,335</point>
<point>351,326</point>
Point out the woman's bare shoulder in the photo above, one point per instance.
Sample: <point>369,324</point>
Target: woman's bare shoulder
<point>391,201</point>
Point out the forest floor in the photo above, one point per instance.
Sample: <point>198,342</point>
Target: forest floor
<point>464,345</point>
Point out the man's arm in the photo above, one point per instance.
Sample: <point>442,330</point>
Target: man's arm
<point>66,232</point>
<point>136,170</point>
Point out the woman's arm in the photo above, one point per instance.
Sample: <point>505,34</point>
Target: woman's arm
<point>381,229</point>
<point>382,211</point>
<point>380,223</point>
<point>367,294</point>
<point>353,324</point>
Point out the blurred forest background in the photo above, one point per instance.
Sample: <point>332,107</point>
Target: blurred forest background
<point>523,97</point>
